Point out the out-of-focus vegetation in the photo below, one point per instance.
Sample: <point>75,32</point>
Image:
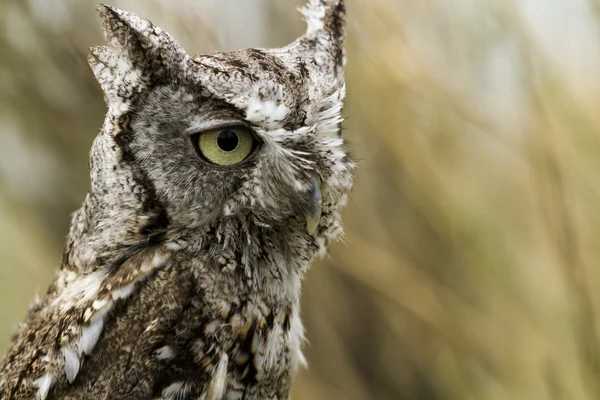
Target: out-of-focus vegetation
<point>470,265</point>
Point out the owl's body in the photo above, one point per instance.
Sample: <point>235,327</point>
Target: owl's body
<point>182,270</point>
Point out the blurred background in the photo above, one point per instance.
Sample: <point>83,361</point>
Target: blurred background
<point>470,265</point>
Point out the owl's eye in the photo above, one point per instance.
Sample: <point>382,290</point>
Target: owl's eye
<point>225,146</point>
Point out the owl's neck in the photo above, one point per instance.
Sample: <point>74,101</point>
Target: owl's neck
<point>255,256</point>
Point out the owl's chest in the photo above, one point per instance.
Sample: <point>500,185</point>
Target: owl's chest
<point>260,344</point>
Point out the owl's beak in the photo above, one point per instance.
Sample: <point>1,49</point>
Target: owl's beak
<point>315,202</point>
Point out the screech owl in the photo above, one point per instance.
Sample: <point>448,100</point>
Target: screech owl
<point>215,181</point>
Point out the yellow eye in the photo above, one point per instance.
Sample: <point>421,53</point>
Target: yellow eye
<point>226,146</point>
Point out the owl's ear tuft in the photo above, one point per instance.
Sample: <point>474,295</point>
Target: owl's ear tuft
<point>117,77</point>
<point>139,55</point>
<point>326,20</point>
<point>149,48</point>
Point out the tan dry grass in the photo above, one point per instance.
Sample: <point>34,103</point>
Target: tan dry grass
<point>469,266</point>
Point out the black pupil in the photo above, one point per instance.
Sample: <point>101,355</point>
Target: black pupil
<point>227,140</point>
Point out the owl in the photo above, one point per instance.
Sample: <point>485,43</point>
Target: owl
<point>215,180</point>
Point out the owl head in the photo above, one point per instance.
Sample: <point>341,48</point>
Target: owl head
<point>239,146</point>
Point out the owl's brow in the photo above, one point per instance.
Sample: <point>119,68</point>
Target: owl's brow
<point>215,124</point>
